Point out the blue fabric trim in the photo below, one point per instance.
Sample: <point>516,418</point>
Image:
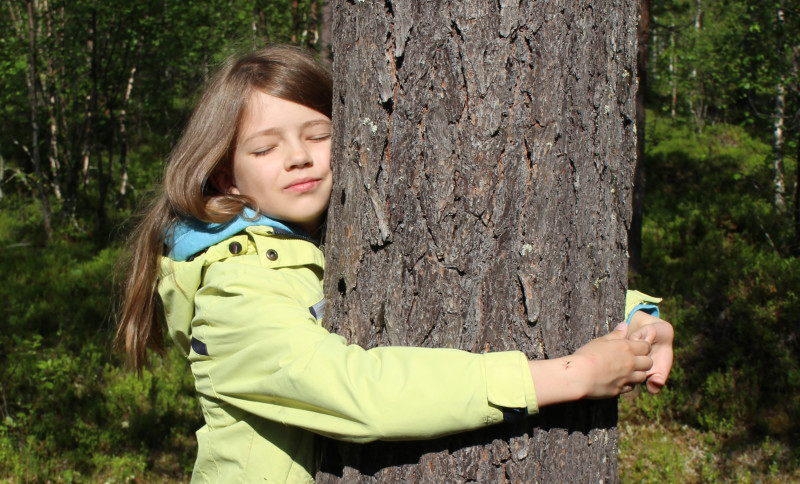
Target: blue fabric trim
<point>650,309</point>
<point>189,237</point>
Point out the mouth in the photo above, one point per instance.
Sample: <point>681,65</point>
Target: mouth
<point>302,185</point>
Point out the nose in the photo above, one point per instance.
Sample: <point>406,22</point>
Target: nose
<point>298,155</point>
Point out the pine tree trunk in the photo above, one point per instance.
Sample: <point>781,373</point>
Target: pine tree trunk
<point>484,158</point>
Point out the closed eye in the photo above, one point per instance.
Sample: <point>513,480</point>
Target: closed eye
<point>263,152</point>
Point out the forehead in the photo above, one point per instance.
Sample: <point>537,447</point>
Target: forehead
<point>257,105</point>
<point>264,111</point>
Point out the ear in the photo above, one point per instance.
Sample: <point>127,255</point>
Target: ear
<point>222,180</point>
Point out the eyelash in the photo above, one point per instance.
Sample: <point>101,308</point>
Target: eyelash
<point>265,152</point>
<point>262,153</point>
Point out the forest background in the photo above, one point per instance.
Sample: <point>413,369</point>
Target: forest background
<point>94,94</point>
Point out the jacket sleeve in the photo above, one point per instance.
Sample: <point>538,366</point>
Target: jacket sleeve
<point>638,301</point>
<point>268,356</point>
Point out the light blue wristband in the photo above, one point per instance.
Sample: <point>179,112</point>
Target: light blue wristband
<point>650,309</point>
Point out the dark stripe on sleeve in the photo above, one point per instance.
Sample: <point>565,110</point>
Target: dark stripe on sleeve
<point>199,347</point>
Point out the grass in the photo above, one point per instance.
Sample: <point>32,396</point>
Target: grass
<point>667,450</point>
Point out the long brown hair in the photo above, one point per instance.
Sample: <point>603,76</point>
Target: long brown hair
<point>205,148</point>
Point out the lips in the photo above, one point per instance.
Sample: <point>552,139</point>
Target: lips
<point>302,185</point>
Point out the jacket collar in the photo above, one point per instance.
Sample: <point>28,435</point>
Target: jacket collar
<point>189,237</point>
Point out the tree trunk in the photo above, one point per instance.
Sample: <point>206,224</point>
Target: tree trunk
<point>673,68</point>
<point>313,22</point>
<point>123,134</point>
<point>49,92</point>
<point>33,99</point>
<point>778,183</point>
<point>325,33</point>
<point>295,21</point>
<point>796,246</point>
<point>640,173</point>
<point>484,158</point>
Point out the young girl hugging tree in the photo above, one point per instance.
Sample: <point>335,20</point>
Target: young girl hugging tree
<point>229,252</point>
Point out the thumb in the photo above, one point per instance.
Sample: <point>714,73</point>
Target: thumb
<point>646,333</point>
<point>621,331</point>
<point>655,382</point>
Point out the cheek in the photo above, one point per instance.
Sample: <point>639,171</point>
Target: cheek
<point>324,156</point>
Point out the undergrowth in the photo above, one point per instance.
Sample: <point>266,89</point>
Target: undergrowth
<point>68,412</point>
<point>721,254</point>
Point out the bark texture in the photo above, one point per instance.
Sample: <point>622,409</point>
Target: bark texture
<point>484,156</point>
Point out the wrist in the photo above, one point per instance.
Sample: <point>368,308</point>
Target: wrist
<point>560,380</point>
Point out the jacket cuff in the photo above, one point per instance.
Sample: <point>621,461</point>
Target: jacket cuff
<point>638,301</point>
<point>509,385</point>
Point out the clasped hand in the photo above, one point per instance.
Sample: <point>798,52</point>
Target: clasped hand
<point>660,335</point>
<point>610,365</point>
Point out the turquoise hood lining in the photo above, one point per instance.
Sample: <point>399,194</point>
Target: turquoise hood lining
<point>189,237</point>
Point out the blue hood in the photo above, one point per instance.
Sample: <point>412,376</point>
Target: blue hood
<point>189,237</point>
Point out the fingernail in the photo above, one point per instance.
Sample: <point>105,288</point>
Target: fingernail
<point>620,327</point>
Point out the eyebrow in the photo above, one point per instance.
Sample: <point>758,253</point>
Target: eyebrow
<point>274,131</point>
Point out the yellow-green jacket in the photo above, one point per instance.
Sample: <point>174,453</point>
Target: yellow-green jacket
<point>247,312</point>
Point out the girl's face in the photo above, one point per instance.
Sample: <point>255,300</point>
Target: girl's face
<point>282,160</point>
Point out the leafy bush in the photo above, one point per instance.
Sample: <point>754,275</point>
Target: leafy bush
<point>716,246</point>
<point>69,413</point>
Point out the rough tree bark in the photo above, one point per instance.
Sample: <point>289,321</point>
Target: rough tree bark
<point>484,156</point>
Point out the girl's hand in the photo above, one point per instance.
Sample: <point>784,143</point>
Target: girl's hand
<point>603,368</point>
<point>612,366</point>
<point>660,335</point>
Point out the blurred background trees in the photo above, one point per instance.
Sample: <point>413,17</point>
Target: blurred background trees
<point>95,92</point>
<point>93,95</point>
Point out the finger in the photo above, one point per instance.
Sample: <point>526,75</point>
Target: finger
<point>653,387</point>
<point>626,389</point>
<point>620,332</point>
<point>640,348</point>
<point>646,333</point>
<point>655,383</point>
<point>642,363</point>
<point>638,377</point>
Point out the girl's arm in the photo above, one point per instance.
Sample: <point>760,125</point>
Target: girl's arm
<point>265,354</point>
<point>603,368</point>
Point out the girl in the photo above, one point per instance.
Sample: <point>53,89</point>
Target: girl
<point>237,221</point>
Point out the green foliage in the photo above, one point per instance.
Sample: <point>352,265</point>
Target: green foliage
<point>115,80</point>
<point>68,411</point>
<point>721,60</point>
<point>715,246</point>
